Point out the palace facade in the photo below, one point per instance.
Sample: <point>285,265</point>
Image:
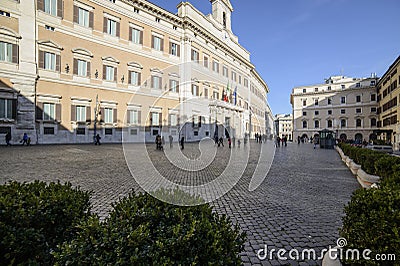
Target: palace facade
<point>126,70</point>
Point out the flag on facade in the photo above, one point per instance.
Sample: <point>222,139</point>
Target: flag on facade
<point>223,95</point>
<point>235,95</point>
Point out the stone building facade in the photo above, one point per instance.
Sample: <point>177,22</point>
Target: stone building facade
<point>284,126</point>
<point>71,69</point>
<point>347,106</point>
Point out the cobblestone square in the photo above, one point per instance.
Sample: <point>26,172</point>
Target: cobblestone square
<point>298,206</point>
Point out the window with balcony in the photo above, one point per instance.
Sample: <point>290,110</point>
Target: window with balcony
<point>373,122</point>
<point>157,43</point>
<point>216,66</point>
<point>108,115</point>
<point>111,27</point>
<point>110,73</point>
<point>174,86</point>
<point>80,113</point>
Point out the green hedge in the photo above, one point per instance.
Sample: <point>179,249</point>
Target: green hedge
<point>35,218</point>
<point>142,230</point>
<point>372,219</point>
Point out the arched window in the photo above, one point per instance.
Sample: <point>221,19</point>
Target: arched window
<point>329,123</point>
<point>358,123</point>
<point>373,122</point>
<point>304,124</point>
<point>343,122</point>
<point>316,123</point>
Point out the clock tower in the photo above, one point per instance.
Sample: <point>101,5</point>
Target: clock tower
<point>221,13</point>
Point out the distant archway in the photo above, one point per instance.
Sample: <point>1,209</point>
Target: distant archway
<point>358,138</point>
<point>343,136</point>
<point>372,137</point>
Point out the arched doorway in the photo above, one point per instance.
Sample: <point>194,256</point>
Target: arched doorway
<point>343,136</point>
<point>358,138</point>
<point>304,138</point>
<point>316,137</point>
<point>372,137</point>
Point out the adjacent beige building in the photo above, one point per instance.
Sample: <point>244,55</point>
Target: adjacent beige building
<point>347,106</point>
<point>389,108</point>
<point>71,69</point>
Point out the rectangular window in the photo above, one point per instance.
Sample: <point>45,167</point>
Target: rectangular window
<point>224,71</point>
<point>316,112</point>
<point>373,97</point>
<point>6,108</point>
<point>110,73</point>
<point>49,111</point>
<point>329,100</point>
<point>195,90</point>
<point>234,76</point>
<point>316,102</point>
<point>358,110</point>
<point>246,83</point>
<point>48,130</point>
<point>80,131</point>
<point>108,115</point>
<point>216,95</point>
<point>304,90</point>
<point>373,109</point>
<point>108,131</point>
<point>156,82</point>
<point>343,87</point>
<point>174,49</point>
<point>134,117</point>
<point>155,119</point>
<point>316,89</point>
<point>195,56</point>
<point>6,52</point>
<point>83,17</point>
<point>157,43</point>
<point>358,85</point>
<point>372,83</point>
<point>134,78</point>
<point>304,113</point>
<point>111,27</point>
<point>80,113</point>
<point>205,92</point>
<point>173,85</point>
<point>216,66</point>
<point>50,7</point>
<point>49,61</point>
<point>304,102</point>
<point>134,132</point>
<point>329,88</point>
<point>329,112</point>
<point>342,111</point>
<point>205,61</point>
<point>82,68</point>
<point>173,120</point>
<point>343,100</point>
<point>358,98</point>
<point>136,36</point>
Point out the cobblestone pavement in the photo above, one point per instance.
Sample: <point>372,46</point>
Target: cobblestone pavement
<point>298,206</point>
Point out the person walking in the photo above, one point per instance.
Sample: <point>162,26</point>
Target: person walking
<point>285,141</point>
<point>24,139</point>
<point>298,140</point>
<point>229,142</point>
<point>278,141</point>
<point>182,143</point>
<point>315,142</point>
<point>97,140</point>
<point>8,138</point>
<point>221,142</point>
<point>171,139</point>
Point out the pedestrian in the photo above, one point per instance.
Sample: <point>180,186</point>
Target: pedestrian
<point>182,143</point>
<point>278,141</point>
<point>215,140</point>
<point>221,142</point>
<point>239,143</point>
<point>256,137</point>
<point>97,140</point>
<point>285,141</point>
<point>229,142</point>
<point>315,142</point>
<point>24,139</point>
<point>298,140</point>
<point>163,140</point>
<point>171,139</point>
<point>8,138</point>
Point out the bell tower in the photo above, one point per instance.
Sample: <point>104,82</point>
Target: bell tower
<point>221,13</point>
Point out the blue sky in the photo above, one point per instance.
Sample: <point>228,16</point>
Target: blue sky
<point>301,42</point>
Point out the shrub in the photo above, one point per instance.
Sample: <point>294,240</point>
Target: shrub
<point>36,217</point>
<point>372,222</point>
<point>142,230</point>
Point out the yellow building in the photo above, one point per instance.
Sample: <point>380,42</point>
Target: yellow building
<point>72,69</point>
<point>389,108</point>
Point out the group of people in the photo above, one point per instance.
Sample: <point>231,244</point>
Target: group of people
<point>280,141</point>
<point>160,142</point>
<point>25,139</point>
<point>260,138</point>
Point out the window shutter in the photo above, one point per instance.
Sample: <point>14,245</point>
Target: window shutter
<point>130,33</point>
<point>141,37</point>
<point>129,77</point>
<point>200,118</point>
<point>40,5</point>
<point>170,85</point>
<point>160,119</point>
<point>88,114</point>
<point>101,114</point>
<point>88,69</point>
<point>39,111</point>
<point>76,14</point>
<point>160,83</point>
<point>91,19</point>
<point>60,4</point>
<point>152,42</point>
<point>105,25</point>
<point>178,119</point>
<point>177,87</point>
<point>115,116</point>
<point>14,109</point>
<point>75,71</point>
<point>41,59</point>
<point>139,79</point>
<point>169,120</point>
<point>115,74</point>
<point>139,117</point>
<point>118,29</point>
<point>170,47</point>
<point>58,63</point>
<point>179,50</point>
<point>152,82</point>
<point>192,55</point>
<point>73,113</point>
<point>15,53</point>
<point>58,112</point>
<point>128,116</point>
<point>104,71</point>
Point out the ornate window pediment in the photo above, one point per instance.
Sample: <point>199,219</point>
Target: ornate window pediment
<point>50,44</point>
<point>110,59</point>
<point>82,51</point>
<point>135,65</point>
<point>156,70</point>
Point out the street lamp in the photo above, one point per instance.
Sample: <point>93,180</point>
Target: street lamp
<point>96,114</point>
